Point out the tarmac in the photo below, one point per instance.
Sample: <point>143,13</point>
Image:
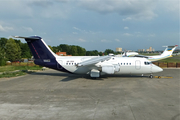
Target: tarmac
<point>53,95</point>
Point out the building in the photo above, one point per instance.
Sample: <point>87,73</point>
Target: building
<point>150,49</point>
<point>61,53</point>
<point>141,50</point>
<point>118,49</point>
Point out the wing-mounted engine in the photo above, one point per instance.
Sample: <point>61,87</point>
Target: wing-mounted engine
<point>110,69</point>
<point>95,73</point>
<point>105,69</point>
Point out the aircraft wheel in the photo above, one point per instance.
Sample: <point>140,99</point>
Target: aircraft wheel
<point>151,76</point>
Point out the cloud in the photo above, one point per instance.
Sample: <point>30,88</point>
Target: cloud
<point>117,40</point>
<point>127,34</point>
<point>127,19</point>
<point>15,9</point>
<point>170,6</point>
<point>41,3</point>
<point>75,33</point>
<point>152,35</point>
<point>81,40</point>
<point>138,34</point>
<point>85,31</point>
<point>78,29</point>
<point>5,28</point>
<point>126,28</point>
<point>29,29</point>
<point>134,9</point>
<point>105,41</point>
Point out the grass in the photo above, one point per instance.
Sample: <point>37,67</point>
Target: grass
<point>175,59</point>
<point>17,70</point>
<point>12,74</point>
<point>9,68</point>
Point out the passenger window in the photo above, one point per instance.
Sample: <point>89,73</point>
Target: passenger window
<point>124,63</point>
<point>127,63</point>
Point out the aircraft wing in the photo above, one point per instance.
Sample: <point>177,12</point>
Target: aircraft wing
<point>95,60</point>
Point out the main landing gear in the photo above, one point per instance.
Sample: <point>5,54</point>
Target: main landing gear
<point>151,76</point>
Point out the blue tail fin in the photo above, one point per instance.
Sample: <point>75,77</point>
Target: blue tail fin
<point>41,52</point>
<point>39,48</point>
<point>43,55</point>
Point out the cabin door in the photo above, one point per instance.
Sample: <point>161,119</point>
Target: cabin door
<point>138,64</point>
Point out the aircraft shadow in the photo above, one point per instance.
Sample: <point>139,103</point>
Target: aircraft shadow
<point>50,74</point>
<point>70,77</point>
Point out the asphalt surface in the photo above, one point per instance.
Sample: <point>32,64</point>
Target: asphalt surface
<point>52,95</point>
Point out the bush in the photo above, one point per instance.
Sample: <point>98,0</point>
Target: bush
<point>2,62</point>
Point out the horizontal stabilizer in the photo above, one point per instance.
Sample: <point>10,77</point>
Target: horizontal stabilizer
<point>31,37</point>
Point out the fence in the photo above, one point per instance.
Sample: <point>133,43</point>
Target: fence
<point>167,65</point>
<point>22,64</point>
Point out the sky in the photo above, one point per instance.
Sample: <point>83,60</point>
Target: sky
<point>94,24</point>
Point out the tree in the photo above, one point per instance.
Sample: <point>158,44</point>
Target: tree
<point>74,51</point>
<point>81,51</point>
<point>55,49</point>
<point>107,51</point>
<point>93,53</point>
<point>25,51</point>
<point>2,57</point>
<point>2,51</point>
<point>100,53</point>
<point>13,51</point>
<point>65,48</point>
<point>50,47</point>
<point>3,42</point>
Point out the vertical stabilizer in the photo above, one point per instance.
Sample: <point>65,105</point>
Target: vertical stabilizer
<point>41,52</point>
<point>166,54</point>
<point>43,55</point>
<point>169,51</point>
<point>38,47</point>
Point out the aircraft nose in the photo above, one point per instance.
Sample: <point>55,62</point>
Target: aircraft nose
<point>156,69</point>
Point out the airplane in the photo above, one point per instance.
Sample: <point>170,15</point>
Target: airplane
<point>166,54</point>
<point>95,66</point>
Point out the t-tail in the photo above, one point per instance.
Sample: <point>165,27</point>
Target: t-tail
<point>43,55</point>
<point>166,54</point>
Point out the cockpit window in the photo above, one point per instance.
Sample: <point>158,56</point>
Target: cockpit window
<point>147,63</point>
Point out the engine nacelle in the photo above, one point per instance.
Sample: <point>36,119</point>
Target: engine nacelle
<point>108,69</point>
<point>94,73</point>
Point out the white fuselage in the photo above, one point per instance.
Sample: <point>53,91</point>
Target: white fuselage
<point>121,65</point>
<point>93,65</point>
